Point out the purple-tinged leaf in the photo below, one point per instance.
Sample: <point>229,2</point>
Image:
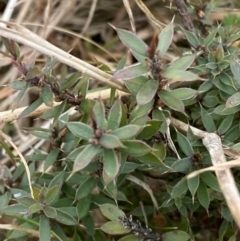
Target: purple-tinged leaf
<point>171,101</point>
<point>147,92</point>
<point>176,75</point>
<point>183,63</point>
<point>130,72</point>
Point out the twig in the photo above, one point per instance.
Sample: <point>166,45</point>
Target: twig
<point>27,37</point>
<point>149,15</point>
<point>186,20</point>
<point>225,178</point>
<point>183,127</point>
<point>9,116</point>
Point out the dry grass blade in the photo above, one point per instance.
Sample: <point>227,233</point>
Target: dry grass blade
<point>146,187</point>
<point>130,14</point>
<point>22,160</point>
<point>219,167</point>
<point>149,15</point>
<point>26,37</point>
<point>15,227</point>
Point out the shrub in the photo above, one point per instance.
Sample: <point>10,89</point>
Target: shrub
<point>126,152</point>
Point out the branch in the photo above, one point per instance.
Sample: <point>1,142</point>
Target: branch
<point>183,127</point>
<point>225,178</point>
<point>25,36</point>
<point>186,20</point>
<point>9,116</point>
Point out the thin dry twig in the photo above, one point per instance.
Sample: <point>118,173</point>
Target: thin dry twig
<point>22,160</point>
<point>130,14</point>
<point>186,20</point>
<point>9,116</point>
<point>149,15</point>
<point>183,127</point>
<point>27,37</point>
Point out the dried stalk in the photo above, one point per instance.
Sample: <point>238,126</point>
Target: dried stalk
<point>225,178</point>
<point>9,116</point>
<point>27,37</point>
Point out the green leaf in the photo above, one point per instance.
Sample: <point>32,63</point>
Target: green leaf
<point>135,148</point>
<point>151,127</point>
<point>31,108</point>
<point>111,212</point>
<point>182,165</point>
<point>151,159</point>
<point>81,130</point>
<point>89,224</point>
<point>99,114</point>
<point>51,158</point>
<point>171,101</point>
<point>69,81</point>
<point>85,157</point>
<point>141,111</point>
<point>207,120</point>
<point>17,84</point>
<point>177,235</point>
<point>114,228</point>
<point>134,85</point>
<point>192,39</point>
<point>193,184</point>
<point>50,212</point>
<point>130,72</point>
<point>26,201</point>
<point>184,93</point>
<point>110,141</point>
<point>235,67</point>
<point>131,237</point>
<point>65,218</point>
<point>203,195</point>
<point>225,124</point>
<point>159,150</point>
<point>233,100</point>
<point>179,189</point>
<point>44,229</point>
<point>15,209</point>
<point>51,194</point>
<point>184,144</point>
<point>175,75</point>
<point>110,164</point>
<point>147,92</point>
<point>115,116</point>
<point>209,39</point>
<point>47,96</point>
<point>83,206</point>
<point>5,198</point>
<point>211,181</point>
<point>223,229</point>
<point>165,39</point>
<point>20,96</point>
<point>221,110</point>
<point>131,41</point>
<point>85,188</point>
<point>223,87</point>
<point>35,208</point>
<point>183,63</point>
<point>127,132</point>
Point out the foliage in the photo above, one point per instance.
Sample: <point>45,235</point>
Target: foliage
<point>102,158</point>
